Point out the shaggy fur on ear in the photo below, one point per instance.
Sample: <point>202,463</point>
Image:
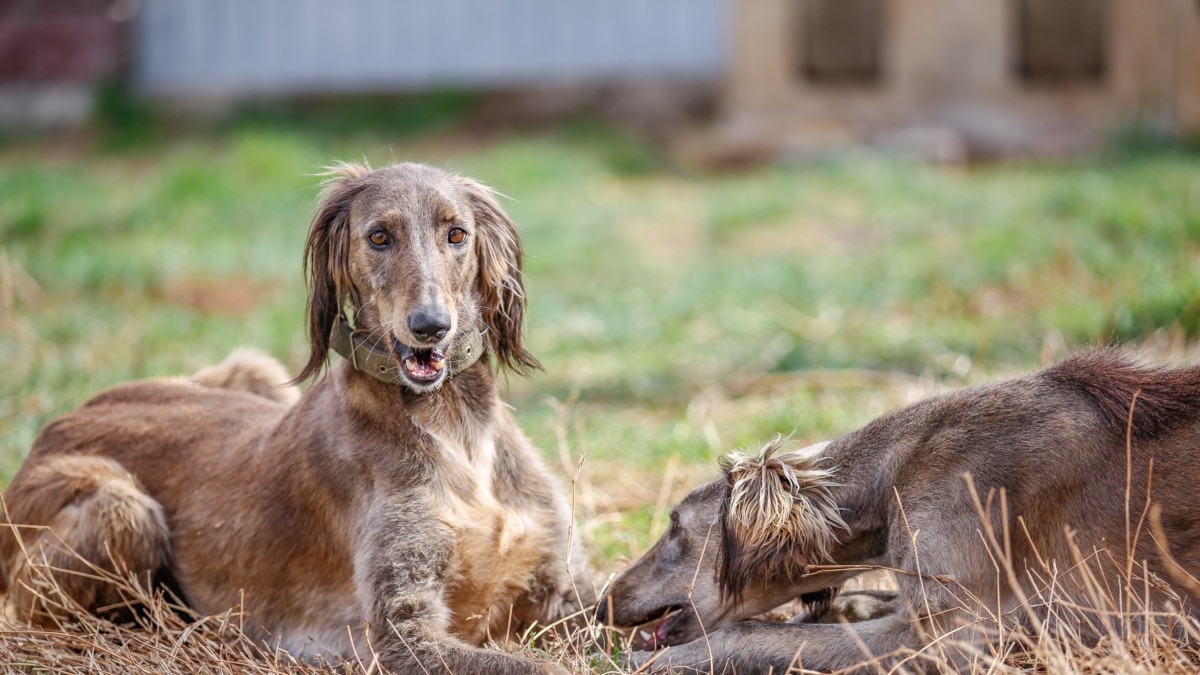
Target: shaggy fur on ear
<point>327,260</point>
<point>500,286</point>
<point>778,516</point>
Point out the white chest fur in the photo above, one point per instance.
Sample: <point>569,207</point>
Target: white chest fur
<point>498,543</point>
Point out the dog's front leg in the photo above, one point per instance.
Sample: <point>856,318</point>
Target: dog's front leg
<point>566,595</point>
<point>759,647</point>
<point>402,578</point>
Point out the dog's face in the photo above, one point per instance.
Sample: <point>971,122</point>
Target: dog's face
<point>671,594</point>
<point>736,546</point>
<point>412,266</point>
<point>420,255</point>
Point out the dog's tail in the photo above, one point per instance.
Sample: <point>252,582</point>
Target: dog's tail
<point>248,369</point>
<point>75,522</point>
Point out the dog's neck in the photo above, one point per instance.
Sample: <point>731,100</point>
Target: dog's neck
<point>356,347</point>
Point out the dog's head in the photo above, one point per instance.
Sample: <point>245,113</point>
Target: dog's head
<point>736,546</point>
<point>416,255</point>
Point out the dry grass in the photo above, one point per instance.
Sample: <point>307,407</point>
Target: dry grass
<point>1114,631</point>
<point>1127,635</point>
<point>156,634</point>
<point>1081,616</point>
<point>162,638</point>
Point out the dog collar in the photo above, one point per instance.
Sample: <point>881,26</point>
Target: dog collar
<point>365,356</point>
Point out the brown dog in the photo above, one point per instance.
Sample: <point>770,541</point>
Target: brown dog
<point>1034,473</point>
<point>397,493</point>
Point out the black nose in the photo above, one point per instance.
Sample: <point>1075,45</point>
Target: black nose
<point>428,325</point>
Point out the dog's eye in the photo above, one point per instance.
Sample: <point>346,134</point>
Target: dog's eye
<point>379,238</point>
<point>456,236</point>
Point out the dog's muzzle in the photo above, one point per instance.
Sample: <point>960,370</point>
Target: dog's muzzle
<point>405,365</point>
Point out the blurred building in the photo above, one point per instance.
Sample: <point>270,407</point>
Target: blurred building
<point>213,53</point>
<point>943,77</point>
<point>260,47</point>
<point>933,77</point>
<point>52,54</point>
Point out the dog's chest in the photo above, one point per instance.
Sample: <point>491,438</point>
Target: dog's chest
<point>498,543</point>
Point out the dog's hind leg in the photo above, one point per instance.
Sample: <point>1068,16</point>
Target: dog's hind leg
<point>851,607</point>
<point>76,522</point>
<point>247,369</point>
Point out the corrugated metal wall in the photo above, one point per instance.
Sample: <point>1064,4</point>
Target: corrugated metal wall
<point>240,47</point>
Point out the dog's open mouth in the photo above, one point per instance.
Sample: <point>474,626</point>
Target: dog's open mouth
<point>652,634</point>
<point>420,365</point>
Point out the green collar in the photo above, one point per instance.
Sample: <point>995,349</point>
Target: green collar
<point>365,356</point>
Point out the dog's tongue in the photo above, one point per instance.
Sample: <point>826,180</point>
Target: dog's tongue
<point>425,364</point>
<point>659,637</point>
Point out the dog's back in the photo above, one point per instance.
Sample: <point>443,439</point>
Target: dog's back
<point>94,491</point>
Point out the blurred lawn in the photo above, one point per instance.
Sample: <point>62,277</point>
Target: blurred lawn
<point>678,313</point>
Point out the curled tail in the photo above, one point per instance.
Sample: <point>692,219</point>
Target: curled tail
<point>248,369</point>
<point>75,525</point>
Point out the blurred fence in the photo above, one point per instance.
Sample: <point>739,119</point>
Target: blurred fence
<point>235,47</point>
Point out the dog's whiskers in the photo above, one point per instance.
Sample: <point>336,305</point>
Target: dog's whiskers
<point>379,328</point>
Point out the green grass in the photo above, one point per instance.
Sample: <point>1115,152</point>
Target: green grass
<point>678,313</point>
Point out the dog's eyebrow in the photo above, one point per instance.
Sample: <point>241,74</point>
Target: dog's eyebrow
<point>386,219</point>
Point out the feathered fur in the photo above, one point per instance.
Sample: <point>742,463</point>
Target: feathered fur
<point>779,516</point>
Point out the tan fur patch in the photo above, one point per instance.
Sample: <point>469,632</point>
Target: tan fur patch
<point>782,500</point>
<point>253,371</point>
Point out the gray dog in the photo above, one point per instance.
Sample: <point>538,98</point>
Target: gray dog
<point>993,498</point>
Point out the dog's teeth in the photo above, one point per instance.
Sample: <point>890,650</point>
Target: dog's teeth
<point>645,636</point>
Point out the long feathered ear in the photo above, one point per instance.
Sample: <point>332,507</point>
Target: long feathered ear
<point>778,516</point>
<point>327,260</point>
<point>499,284</point>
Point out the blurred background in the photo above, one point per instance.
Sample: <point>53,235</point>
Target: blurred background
<point>742,217</point>
<point>939,79</point>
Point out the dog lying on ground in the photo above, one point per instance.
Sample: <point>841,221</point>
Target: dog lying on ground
<point>397,493</point>
<point>994,497</point>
